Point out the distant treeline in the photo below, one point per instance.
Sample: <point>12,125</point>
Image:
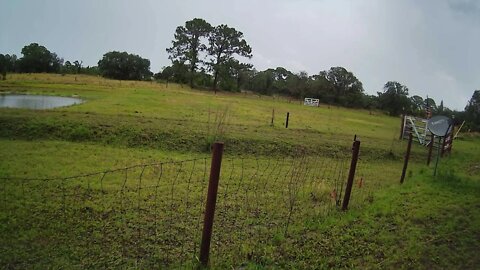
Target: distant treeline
<point>206,56</point>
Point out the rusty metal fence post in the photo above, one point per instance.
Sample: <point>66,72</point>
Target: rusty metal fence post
<point>451,141</point>
<point>217,154</point>
<point>444,142</point>
<point>407,157</point>
<point>351,174</point>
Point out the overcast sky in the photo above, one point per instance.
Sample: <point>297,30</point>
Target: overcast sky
<point>432,46</point>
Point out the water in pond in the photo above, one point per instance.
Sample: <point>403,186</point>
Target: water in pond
<point>36,102</point>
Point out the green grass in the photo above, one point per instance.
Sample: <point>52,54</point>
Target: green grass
<point>149,114</point>
<point>150,216</point>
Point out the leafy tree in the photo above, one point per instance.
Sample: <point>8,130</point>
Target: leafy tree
<point>440,108</point>
<point>394,98</point>
<point>347,88</point>
<point>224,43</point>
<point>430,103</point>
<point>67,67</point>
<point>78,66</point>
<point>262,82</point>
<point>9,63</point>
<point>124,66</point>
<point>165,74</point>
<point>298,84</point>
<point>472,111</point>
<point>236,71</point>
<point>417,105</point>
<point>370,102</point>
<point>321,88</point>
<point>37,58</point>
<point>187,44</point>
<point>3,67</point>
<point>203,79</point>
<point>90,70</point>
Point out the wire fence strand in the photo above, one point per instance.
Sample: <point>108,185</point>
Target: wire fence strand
<point>150,215</point>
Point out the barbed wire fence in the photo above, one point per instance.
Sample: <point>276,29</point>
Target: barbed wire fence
<point>150,215</point>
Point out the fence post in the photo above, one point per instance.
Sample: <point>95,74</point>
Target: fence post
<point>273,116</point>
<point>430,149</point>
<point>451,141</point>
<point>407,157</point>
<point>211,201</point>
<point>286,122</point>
<point>443,146</point>
<point>351,174</point>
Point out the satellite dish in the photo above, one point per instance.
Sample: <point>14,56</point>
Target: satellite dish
<point>439,125</point>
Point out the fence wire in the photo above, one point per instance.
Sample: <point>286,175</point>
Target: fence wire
<point>151,215</point>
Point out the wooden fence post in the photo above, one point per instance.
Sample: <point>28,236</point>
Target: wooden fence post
<point>286,123</point>
<point>273,117</point>
<point>407,157</point>
<point>351,174</point>
<point>211,201</point>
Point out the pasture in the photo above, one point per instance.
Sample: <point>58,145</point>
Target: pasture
<point>120,182</point>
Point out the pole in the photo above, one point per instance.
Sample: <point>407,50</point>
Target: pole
<point>351,174</point>
<point>458,131</point>
<point>430,149</point>
<point>273,116</point>
<point>438,156</point>
<point>286,122</point>
<point>407,157</point>
<point>451,141</point>
<point>211,201</point>
<point>443,145</point>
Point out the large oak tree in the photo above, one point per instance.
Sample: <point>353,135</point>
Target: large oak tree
<point>124,66</point>
<point>37,58</point>
<point>394,98</point>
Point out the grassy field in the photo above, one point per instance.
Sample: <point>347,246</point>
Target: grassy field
<point>139,154</point>
<point>180,119</point>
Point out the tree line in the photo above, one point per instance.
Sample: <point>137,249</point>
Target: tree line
<point>206,56</point>
<point>38,59</point>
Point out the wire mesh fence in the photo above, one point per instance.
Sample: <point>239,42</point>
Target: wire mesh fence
<point>151,215</point>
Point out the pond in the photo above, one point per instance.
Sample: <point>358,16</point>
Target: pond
<point>36,102</point>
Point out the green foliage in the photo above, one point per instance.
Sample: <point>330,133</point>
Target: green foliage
<point>72,68</point>
<point>417,105</point>
<point>187,45</point>
<point>3,67</point>
<point>472,111</point>
<point>177,72</point>
<point>9,63</point>
<point>394,98</point>
<point>225,43</point>
<point>37,58</point>
<point>124,66</point>
<point>347,88</point>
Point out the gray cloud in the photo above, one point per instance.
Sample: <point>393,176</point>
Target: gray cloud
<point>431,46</point>
<point>471,7</point>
